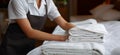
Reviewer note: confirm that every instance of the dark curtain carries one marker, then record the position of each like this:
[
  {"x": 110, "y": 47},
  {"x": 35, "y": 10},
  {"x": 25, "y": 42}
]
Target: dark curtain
[
  {"x": 85, "y": 5},
  {"x": 116, "y": 4},
  {"x": 4, "y": 3}
]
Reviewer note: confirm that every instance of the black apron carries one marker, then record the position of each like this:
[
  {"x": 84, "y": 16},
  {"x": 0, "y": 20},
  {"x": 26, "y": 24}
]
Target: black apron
[{"x": 15, "y": 42}]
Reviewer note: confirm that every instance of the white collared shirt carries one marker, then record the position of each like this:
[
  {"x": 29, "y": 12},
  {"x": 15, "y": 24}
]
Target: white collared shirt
[{"x": 18, "y": 9}]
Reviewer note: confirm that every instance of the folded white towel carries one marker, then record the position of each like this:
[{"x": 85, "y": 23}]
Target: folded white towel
[
  {"x": 65, "y": 48},
  {"x": 88, "y": 21},
  {"x": 72, "y": 39},
  {"x": 87, "y": 32},
  {"x": 91, "y": 28}
]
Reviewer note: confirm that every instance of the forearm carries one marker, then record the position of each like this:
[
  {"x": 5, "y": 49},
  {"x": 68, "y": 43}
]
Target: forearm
[
  {"x": 63, "y": 23},
  {"x": 39, "y": 35}
]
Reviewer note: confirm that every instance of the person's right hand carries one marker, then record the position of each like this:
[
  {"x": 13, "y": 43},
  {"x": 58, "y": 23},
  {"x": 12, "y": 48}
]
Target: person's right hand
[{"x": 60, "y": 37}]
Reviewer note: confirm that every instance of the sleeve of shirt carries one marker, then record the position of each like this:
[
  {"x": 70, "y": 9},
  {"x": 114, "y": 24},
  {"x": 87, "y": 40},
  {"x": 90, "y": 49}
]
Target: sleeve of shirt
[
  {"x": 53, "y": 11},
  {"x": 16, "y": 10}
]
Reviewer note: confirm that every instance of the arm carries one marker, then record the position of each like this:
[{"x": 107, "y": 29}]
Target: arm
[
  {"x": 63, "y": 23},
  {"x": 18, "y": 13},
  {"x": 54, "y": 14},
  {"x": 36, "y": 34}
]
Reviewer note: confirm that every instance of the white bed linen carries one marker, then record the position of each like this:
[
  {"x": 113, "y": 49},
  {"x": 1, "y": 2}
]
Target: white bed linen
[{"x": 111, "y": 40}]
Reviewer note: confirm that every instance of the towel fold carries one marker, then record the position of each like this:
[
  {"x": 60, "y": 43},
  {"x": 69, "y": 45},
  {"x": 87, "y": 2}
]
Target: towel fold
[
  {"x": 88, "y": 28},
  {"x": 72, "y": 39},
  {"x": 88, "y": 21},
  {"x": 65, "y": 48},
  {"x": 87, "y": 32}
]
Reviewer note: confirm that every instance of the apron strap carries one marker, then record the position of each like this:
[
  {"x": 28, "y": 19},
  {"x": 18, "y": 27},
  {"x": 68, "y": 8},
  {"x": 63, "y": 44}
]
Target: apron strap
[{"x": 46, "y": 8}]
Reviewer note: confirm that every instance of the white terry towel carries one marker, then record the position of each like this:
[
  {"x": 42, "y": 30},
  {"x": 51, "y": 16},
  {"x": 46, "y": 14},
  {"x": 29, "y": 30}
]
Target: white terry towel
[
  {"x": 92, "y": 28},
  {"x": 63, "y": 48},
  {"x": 73, "y": 40},
  {"x": 88, "y": 21},
  {"x": 87, "y": 31}
]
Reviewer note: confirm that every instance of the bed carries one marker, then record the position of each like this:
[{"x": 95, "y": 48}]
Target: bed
[{"x": 111, "y": 41}]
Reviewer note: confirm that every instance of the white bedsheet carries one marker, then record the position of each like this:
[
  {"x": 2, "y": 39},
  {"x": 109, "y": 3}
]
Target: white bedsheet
[{"x": 111, "y": 40}]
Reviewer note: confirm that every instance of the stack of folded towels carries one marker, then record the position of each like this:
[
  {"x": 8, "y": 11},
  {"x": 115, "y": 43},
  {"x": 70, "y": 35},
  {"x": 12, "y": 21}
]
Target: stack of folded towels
[
  {"x": 64, "y": 48},
  {"x": 87, "y": 33},
  {"x": 85, "y": 39}
]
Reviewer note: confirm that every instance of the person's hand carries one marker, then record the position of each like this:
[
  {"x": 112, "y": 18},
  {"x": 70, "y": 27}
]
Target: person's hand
[
  {"x": 64, "y": 38},
  {"x": 60, "y": 37}
]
